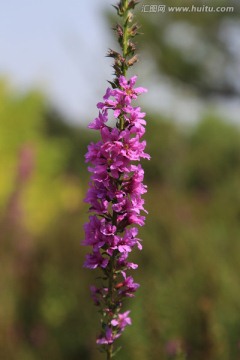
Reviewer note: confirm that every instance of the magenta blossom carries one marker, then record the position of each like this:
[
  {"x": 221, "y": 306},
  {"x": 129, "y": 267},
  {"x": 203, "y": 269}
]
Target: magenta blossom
[
  {"x": 127, "y": 89},
  {"x": 95, "y": 260},
  {"x": 108, "y": 338},
  {"x": 116, "y": 189},
  {"x": 122, "y": 321},
  {"x": 116, "y": 203}
]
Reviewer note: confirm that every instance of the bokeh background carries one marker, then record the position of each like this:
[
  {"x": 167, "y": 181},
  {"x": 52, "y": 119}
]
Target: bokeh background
[{"x": 53, "y": 72}]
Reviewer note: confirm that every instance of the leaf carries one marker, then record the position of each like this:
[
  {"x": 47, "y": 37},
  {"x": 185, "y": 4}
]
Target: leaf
[{"x": 116, "y": 351}]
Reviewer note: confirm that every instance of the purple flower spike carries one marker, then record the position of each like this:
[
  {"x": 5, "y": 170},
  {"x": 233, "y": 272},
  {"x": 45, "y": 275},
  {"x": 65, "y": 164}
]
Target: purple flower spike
[
  {"x": 115, "y": 198},
  {"x": 116, "y": 189}
]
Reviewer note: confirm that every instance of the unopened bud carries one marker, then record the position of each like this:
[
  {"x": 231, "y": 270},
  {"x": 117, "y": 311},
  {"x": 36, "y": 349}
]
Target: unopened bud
[
  {"x": 119, "y": 285},
  {"x": 114, "y": 54},
  {"x": 130, "y": 16},
  {"x": 132, "y": 4},
  {"x": 132, "y": 61},
  {"x": 133, "y": 30},
  {"x": 131, "y": 47},
  {"x": 119, "y": 30}
]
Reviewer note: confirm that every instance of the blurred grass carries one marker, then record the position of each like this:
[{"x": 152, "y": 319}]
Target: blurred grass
[{"x": 189, "y": 268}]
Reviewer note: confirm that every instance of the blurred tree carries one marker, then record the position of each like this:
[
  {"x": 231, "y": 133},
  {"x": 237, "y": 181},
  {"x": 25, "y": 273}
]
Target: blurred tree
[{"x": 196, "y": 49}]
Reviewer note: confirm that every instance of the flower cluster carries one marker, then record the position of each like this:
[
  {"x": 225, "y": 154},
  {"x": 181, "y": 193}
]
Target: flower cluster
[{"x": 115, "y": 198}]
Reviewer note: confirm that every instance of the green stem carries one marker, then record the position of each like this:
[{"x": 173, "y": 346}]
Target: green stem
[
  {"x": 124, "y": 49},
  {"x": 125, "y": 36},
  {"x": 111, "y": 286},
  {"x": 121, "y": 118},
  {"x": 110, "y": 283},
  {"x": 110, "y": 352},
  {"x": 110, "y": 301},
  {"x": 110, "y": 347}
]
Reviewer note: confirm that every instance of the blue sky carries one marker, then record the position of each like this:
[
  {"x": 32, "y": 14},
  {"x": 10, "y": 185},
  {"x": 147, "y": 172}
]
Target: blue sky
[{"x": 59, "y": 47}]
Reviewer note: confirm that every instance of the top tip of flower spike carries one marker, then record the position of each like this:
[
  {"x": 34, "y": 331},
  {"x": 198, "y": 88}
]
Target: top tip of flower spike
[
  {"x": 125, "y": 5},
  {"x": 132, "y": 4}
]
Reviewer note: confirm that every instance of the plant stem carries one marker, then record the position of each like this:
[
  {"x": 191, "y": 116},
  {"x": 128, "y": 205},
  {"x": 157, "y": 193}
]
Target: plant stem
[
  {"x": 111, "y": 286},
  {"x": 124, "y": 68},
  {"x": 109, "y": 352},
  {"x": 125, "y": 36},
  {"x": 110, "y": 283}
]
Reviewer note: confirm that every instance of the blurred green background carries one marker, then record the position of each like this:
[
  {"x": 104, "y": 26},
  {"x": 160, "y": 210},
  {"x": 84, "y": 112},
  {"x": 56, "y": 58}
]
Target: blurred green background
[{"x": 188, "y": 305}]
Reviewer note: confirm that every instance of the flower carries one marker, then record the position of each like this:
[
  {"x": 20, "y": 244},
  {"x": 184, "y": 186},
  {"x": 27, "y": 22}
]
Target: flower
[
  {"x": 95, "y": 260},
  {"x": 123, "y": 264},
  {"x": 116, "y": 204},
  {"x": 116, "y": 187},
  {"x": 99, "y": 122},
  {"x": 128, "y": 286},
  {"x": 108, "y": 338},
  {"x": 127, "y": 88},
  {"x": 122, "y": 321}
]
